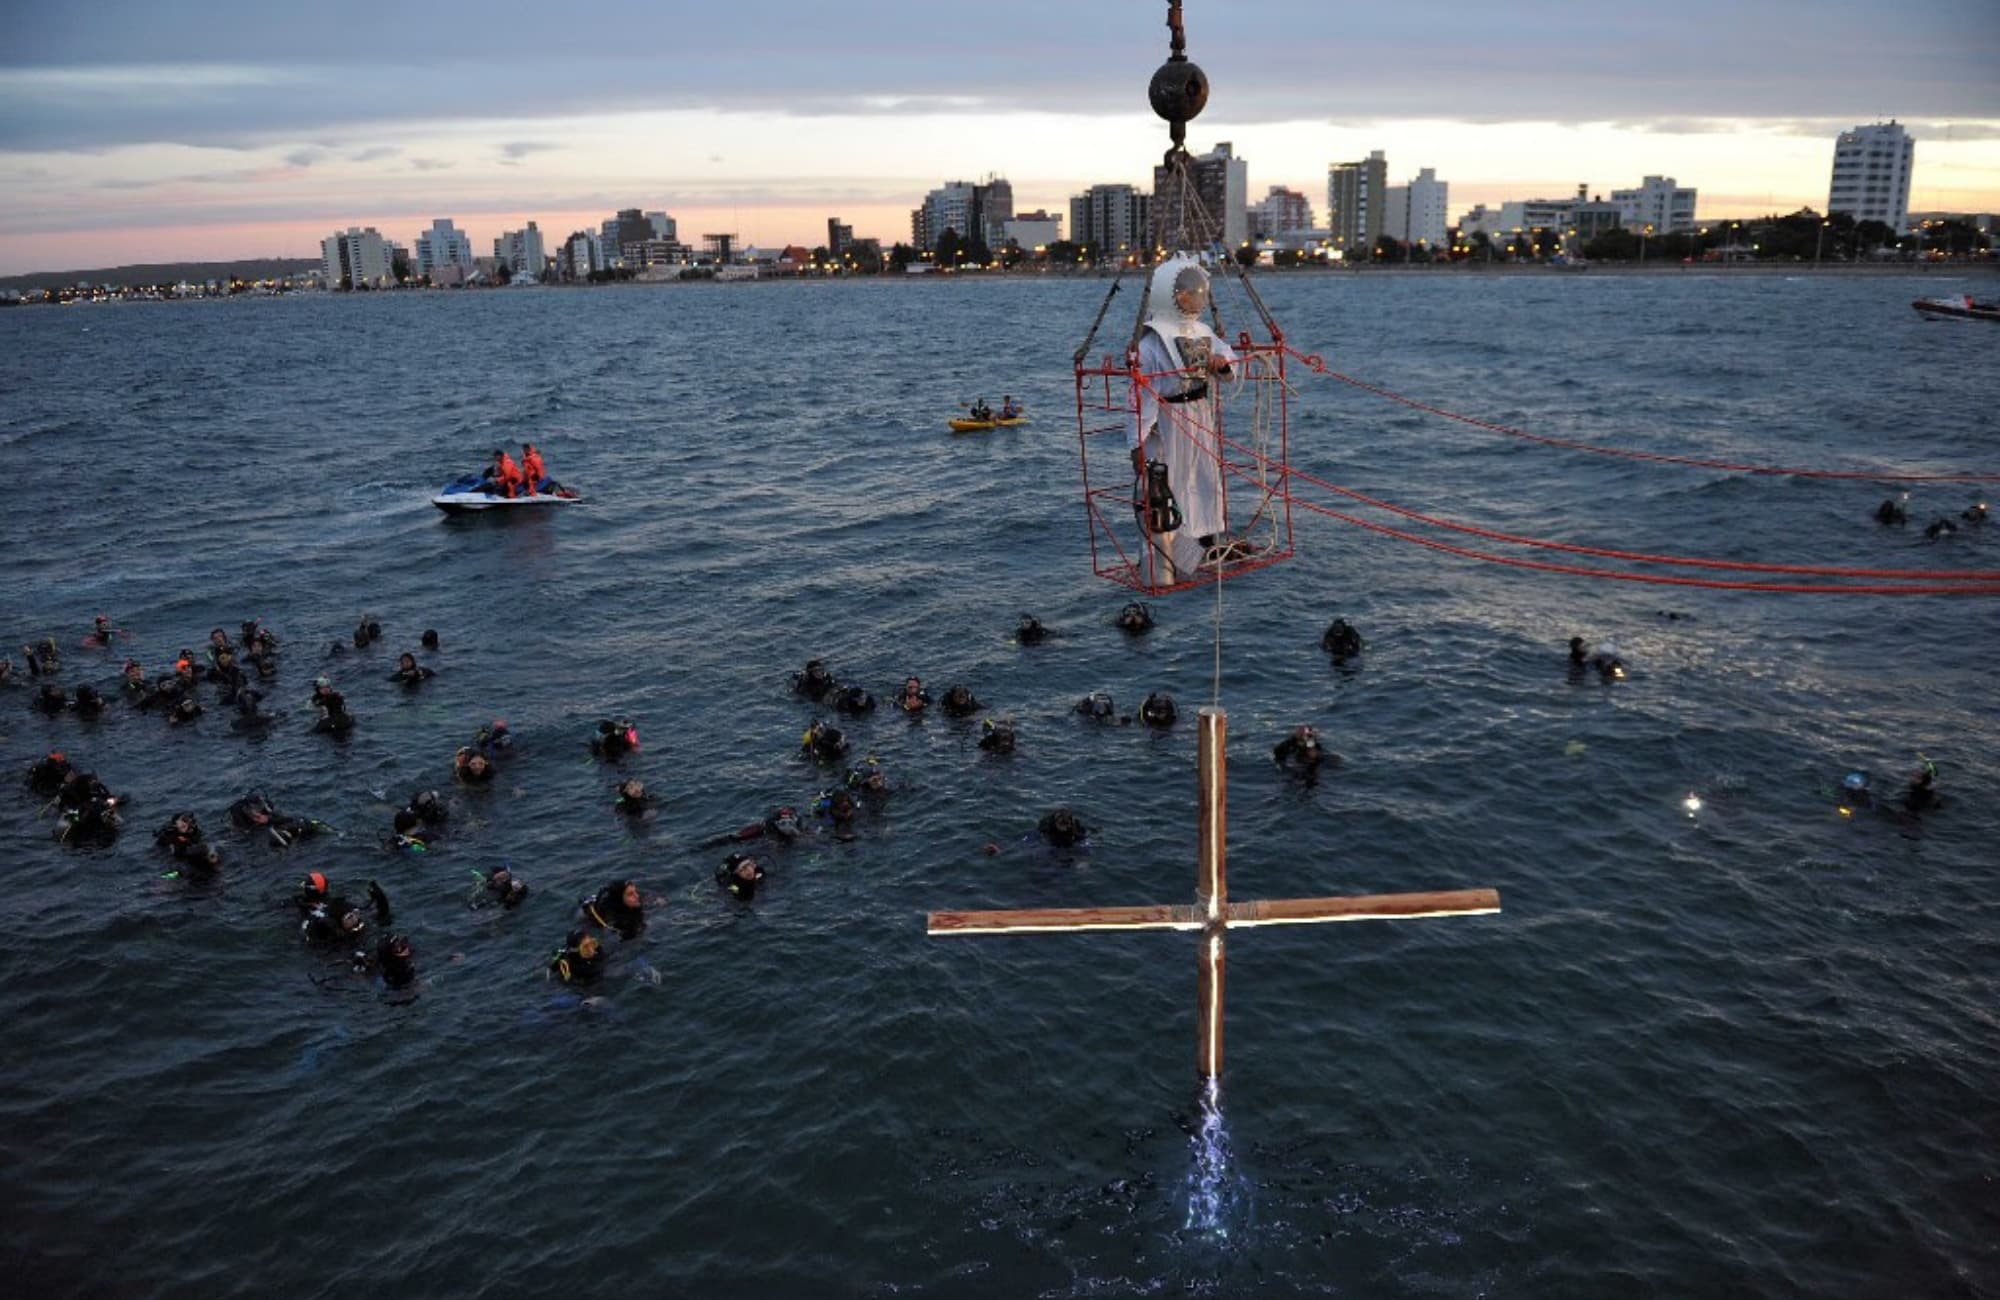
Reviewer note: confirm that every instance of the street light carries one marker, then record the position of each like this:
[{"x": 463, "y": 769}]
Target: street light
[{"x": 1819, "y": 243}]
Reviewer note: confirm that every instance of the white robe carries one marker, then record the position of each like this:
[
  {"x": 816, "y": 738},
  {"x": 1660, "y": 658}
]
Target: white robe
[{"x": 1186, "y": 435}]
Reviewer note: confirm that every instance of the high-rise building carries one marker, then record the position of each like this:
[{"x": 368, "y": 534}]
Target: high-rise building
[
  {"x": 356, "y": 259},
  {"x": 579, "y": 256},
  {"x": 973, "y": 212},
  {"x": 838, "y": 236},
  {"x": 1280, "y": 212},
  {"x": 1214, "y": 206},
  {"x": 1415, "y": 213},
  {"x": 1658, "y": 203},
  {"x": 1354, "y": 201},
  {"x": 1031, "y": 230},
  {"x": 664, "y": 227},
  {"x": 522, "y": 251},
  {"x": 1871, "y": 174},
  {"x": 444, "y": 244},
  {"x": 1112, "y": 219}
]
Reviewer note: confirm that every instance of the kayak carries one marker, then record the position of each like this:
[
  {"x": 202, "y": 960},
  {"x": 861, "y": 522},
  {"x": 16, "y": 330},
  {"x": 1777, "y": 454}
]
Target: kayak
[
  {"x": 464, "y": 494},
  {"x": 976, "y": 426}
]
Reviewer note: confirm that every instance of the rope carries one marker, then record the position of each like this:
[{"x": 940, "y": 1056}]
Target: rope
[
  {"x": 1318, "y": 364},
  {"x": 1083, "y": 349},
  {"x": 1662, "y": 579}
]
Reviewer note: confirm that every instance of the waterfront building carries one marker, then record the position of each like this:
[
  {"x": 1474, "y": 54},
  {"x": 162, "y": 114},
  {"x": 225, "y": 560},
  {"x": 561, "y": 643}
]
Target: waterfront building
[
  {"x": 1031, "y": 230},
  {"x": 1871, "y": 175},
  {"x": 1280, "y": 212},
  {"x": 838, "y": 236},
  {"x": 1657, "y": 203},
  {"x": 579, "y": 256},
  {"x": 970, "y": 211},
  {"x": 664, "y": 227},
  {"x": 356, "y": 258},
  {"x": 1415, "y": 213},
  {"x": 444, "y": 244},
  {"x": 522, "y": 251},
  {"x": 1354, "y": 202},
  {"x": 1479, "y": 220},
  {"x": 1217, "y": 208},
  {"x": 1110, "y": 218}
]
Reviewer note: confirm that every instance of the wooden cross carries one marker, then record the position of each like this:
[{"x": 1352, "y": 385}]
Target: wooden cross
[{"x": 1212, "y": 913}]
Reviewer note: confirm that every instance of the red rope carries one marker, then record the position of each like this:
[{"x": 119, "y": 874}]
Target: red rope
[
  {"x": 1317, "y": 363},
  {"x": 1661, "y": 579}
]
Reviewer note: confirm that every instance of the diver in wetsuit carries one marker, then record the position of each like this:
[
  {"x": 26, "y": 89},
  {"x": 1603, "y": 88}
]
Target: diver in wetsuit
[
  {"x": 1302, "y": 752},
  {"x": 853, "y": 701},
  {"x": 334, "y": 719},
  {"x": 815, "y": 683},
  {"x": 1098, "y": 707},
  {"x": 494, "y": 739},
  {"x": 95, "y": 821},
  {"x": 48, "y": 773},
  {"x": 823, "y": 743},
  {"x": 180, "y": 835},
  {"x": 615, "y": 738},
  {"x": 255, "y": 811},
  {"x": 1063, "y": 829},
  {"x": 409, "y": 673},
  {"x": 500, "y": 886},
  {"x": 959, "y": 701},
  {"x": 471, "y": 767},
  {"x": 1340, "y": 640},
  {"x": 913, "y": 698},
  {"x": 51, "y": 699},
  {"x": 581, "y": 961},
  {"x": 631, "y": 798},
  {"x": 89, "y": 703},
  {"x": 618, "y": 906},
  {"x": 1135, "y": 618},
  {"x": 1158, "y": 710},
  {"x": 740, "y": 875},
  {"x": 1922, "y": 795},
  {"x": 1891, "y": 512},
  {"x": 781, "y": 824},
  {"x": 337, "y": 921},
  {"x": 393, "y": 960},
  {"x": 1030, "y": 631},
  {"x": 996, "y": 736}
]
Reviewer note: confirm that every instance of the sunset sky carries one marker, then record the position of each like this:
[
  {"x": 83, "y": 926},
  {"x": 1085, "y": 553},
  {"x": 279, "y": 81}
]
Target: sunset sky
[{"x": 163, "y": 130}]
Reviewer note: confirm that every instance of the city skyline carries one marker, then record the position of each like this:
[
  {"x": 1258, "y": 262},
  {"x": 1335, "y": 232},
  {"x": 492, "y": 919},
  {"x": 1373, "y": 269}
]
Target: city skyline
[{"x": 198, "y": 131}]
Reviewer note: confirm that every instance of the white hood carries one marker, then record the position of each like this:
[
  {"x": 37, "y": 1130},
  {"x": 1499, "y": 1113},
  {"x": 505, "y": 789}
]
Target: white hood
[{"x": 1162, "y": 313}]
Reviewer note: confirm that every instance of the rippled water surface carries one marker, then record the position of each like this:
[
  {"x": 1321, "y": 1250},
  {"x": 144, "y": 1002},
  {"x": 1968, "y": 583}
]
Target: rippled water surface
[{"x": 1748, "y": 1050}]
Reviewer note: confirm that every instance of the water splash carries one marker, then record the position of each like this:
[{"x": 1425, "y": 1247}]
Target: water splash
[{"x": 1211, "y": 1181}]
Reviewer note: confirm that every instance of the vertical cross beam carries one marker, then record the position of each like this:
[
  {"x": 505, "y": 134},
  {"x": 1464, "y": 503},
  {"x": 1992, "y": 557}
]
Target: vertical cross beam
[{"x": 1211, "y": 886}]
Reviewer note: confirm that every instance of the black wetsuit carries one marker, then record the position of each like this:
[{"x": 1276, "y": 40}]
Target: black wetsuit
[
  {"x": 48, "y": 774},
  {"x": 1340, "y": 640},
  {"x": 609, "y": 911},
  {"x": 1306, "y": 753},
  {"x": 742, "y": 887},
  {"x": 815, "y": 683},
  {"x": 1158, "y": 711},
  {"x": 572, "y": 967},
  {"x": 1064, "y": 829},
  {"x": 959, "y": 702}
]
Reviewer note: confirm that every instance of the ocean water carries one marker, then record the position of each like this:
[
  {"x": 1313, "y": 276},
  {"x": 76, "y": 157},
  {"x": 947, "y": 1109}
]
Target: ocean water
[{"x": 1744, "y": 1050}]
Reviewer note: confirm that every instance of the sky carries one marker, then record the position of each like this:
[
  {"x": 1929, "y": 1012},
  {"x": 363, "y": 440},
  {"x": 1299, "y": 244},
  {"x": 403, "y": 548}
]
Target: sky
[{"x": 171, "y": 130}]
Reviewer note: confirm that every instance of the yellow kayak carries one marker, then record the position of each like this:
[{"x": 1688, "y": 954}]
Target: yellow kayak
[{"x": 977, "y": 426}]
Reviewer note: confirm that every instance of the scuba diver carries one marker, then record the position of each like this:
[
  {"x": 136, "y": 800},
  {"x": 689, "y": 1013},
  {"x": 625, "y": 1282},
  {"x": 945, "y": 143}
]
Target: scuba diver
[
  {"x": 257, "y": 638},
  {"x": 631, "y": 797},
  {"x": 88, "y": 702},
  {"x": 1063, "y": 829},
  {"x": 47, "y": 774},
  {"x": 367, "y": 632},
  {"x": 1135, "y": 618},
  {"x": 1939, "y": 527},
  {"x": 311, "y": 892},
  {"x": 580, "y": 961},
  {"x": 996, "y": 736},
  {"x": 470, "y": 767},
  {"x": 1302, "y": 752},
  {"x": 180, "y": 836},
  {"x": 43, "y": 660},
  {"x": 336, "y": 921},
  {"x": 428, "y": 807},
  {"x": 429, "y": 640},
  {"x": 815, "y": 683},
  {"x": 78, "y": 789},
  {"x": 823, "y": 743},
  {"x": 133, "y": 684},
  {"x": 615, "y": 738},
  {"x": 185, "y": 711},
  {"x": 959, "y": 701},
  {"x": 869, "y": 782},
  {"x": 837, "y": 808},
  {"x": 1974, "y": 514},
  {"x": 94, "y": 821},
  {"x": 1603, "y": 660},
  {"x": 409, "y": 673},
  {"x": 494, "y": 739},
  {"x": 1097, "y": 706},
  {"x": 199, "y": 863},
  {"x": 392, "y": 961},
  {"x": 1030, "y": 631},
  {"x": 1158, "y": 710},
  {"x": 255, "y": 811},
  {"x": 913, "y": 698},
  {"x": 1340, "y": 640},
  {"x": 102, "y": 634},
  {"x": 781, "y": 824},
  {"x": 408, "y": 834},
  {"x": 1922, "y": 795},
  {"x": 218, "y": 645},
  {"x": 248, "y": 716},
  {"x": 334, "y": 719},
  {"x": 853, "y": 701},
  {"x": 740, "y": 875},
  {"x": 51, "y": 699},
  {"x": 1891, "y": 512},
  {"x": 618, "y": 906},
  {"x": 500, "y": 887}
]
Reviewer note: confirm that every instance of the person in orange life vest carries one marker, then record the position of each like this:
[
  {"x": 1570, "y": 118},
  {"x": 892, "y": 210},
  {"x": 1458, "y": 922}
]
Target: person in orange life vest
[
  {"x": 532, "y": 471},
  {"x": 503, "y": 476}
]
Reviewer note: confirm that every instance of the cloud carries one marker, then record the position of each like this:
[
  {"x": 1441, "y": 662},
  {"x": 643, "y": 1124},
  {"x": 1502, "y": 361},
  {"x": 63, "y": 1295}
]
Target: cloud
[
  {"x": 376, "y": 153},
  {"x": 305, "y": 157},
  {"x": 431, "y": 164},
  {"x": 514, "y": 150}
]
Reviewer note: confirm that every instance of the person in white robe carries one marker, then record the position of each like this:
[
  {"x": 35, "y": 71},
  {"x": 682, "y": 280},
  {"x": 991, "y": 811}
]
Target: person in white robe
[{"x": 1180, "y": 413}]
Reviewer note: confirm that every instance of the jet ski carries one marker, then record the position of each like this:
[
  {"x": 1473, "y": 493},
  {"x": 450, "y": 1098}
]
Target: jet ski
[{"x": 467, "y": 493}]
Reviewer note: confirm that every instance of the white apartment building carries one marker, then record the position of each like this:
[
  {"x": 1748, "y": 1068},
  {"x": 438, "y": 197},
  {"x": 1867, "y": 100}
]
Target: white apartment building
[
  {"x": 1280, "y": 212},
  {"x": 579, "y": 256},
  {"x": 1032, "y": 230},
  {"x": 1415, "y": 213},
  {"x": 444, "y": 244},
  {"x": 1110, "y": 218},
  {"x": 521, "y": 251},
  {"x": 1658, "y": 203},
  {"x": 1871, "y": 174},
  {"x": 356, "y": 258}
]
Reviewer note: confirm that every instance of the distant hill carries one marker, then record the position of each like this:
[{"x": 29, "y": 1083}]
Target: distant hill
[{"x": 164, "y": 273}]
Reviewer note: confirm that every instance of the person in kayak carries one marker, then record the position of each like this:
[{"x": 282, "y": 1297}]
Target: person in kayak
[
  {"x": 1009, "y": 408},
  {"x": 981, "y": 411}
]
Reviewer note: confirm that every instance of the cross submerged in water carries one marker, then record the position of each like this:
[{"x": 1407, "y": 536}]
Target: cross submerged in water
[{"x": 1212, "y": 913}]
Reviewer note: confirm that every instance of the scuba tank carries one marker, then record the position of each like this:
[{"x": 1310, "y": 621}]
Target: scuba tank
[{"x": 1154, "y": 504}]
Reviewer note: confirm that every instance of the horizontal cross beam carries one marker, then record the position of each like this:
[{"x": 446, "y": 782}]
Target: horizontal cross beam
[{"x": 1275, "y": 911}]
